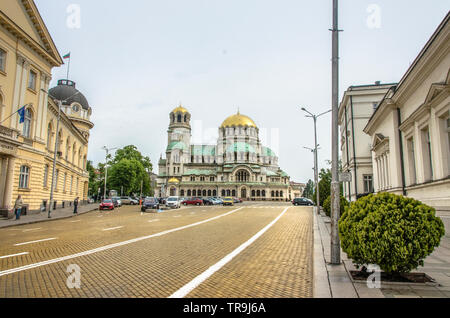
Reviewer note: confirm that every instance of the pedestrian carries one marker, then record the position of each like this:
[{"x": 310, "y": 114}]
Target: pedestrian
[
  {"x": 18, "y": 206},
  {"x": 75, "y": 205}
]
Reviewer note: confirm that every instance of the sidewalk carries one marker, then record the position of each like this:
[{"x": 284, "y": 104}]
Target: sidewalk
[
  {"x": 334, "y": 281},
  {"x": 43, "y": 216}
]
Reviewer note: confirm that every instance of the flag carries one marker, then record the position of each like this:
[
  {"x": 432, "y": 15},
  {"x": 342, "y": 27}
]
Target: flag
[
  {"x": 67, "y": 56},
  {"x": 21, "y": 112}
]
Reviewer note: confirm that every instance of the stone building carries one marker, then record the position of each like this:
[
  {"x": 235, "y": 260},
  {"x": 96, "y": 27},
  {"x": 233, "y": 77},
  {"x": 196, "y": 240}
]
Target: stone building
[
  {"x": 238, "y": 165},
  {"x": 357, "y": 105},
  {"x": 27, "y": 56},
  {"x": 410, "y": 129}
]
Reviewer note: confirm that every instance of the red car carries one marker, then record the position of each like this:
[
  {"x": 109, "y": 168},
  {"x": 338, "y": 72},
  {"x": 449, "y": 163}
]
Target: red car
[
  {"x": 107, "y": 204},
  {"x": 193, "y": 201}
]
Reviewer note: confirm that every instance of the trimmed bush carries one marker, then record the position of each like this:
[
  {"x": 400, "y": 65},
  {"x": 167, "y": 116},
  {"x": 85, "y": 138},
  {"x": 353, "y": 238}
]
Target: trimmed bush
[
  {"x": 392, "y": 231},
  {"x": 327, "y": 205}
]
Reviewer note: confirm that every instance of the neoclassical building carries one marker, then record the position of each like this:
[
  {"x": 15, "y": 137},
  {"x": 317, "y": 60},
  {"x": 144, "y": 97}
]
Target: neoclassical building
[
  {"x": 238, "y": 165},
  {"x": 27, "y": 56}
]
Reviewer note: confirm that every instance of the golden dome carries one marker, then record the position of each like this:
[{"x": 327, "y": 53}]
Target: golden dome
[
  {"x": 238, "y": 120},
  {"x": 180, "y": 109},
  {"x": 174, "y": 180}
]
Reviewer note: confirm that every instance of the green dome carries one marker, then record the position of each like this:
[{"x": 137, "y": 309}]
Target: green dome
[{"x": 241, "y": 147}]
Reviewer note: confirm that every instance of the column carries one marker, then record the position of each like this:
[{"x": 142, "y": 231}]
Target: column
[{"x": 7, "y": 196}]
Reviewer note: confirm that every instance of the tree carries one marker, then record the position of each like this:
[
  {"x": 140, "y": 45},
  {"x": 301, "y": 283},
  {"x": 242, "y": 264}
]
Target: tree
[
  {"x": 324, "y": 186},
  {"x": 308, "y": 192},
  {"x": 129, "y": 169}
]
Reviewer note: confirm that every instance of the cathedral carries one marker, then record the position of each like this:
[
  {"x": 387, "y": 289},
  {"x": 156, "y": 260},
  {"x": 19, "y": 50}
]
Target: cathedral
[{"x": 238, "y": 165}]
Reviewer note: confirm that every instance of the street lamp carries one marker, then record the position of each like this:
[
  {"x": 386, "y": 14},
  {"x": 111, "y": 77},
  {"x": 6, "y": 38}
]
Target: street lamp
[
  {"x": 316, "y": 174},
  {"x": 313, "y": 150},
  {"x": 60, "y": 102},
  {"x": 106, "y": 167}
]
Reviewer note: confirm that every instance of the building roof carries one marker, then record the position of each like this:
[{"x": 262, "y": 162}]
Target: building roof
[
  {"x": 203, "y": 150},
  {"x": 266, "y": 151},
  {"x": 66, "y": 92},
  {"x": 200, "y": 172},
  {"x": 240, "y": 147},
  {"x": 180, "y": 109},
  {"x": 238, "y": 120},
  {"x": 177, "y": 145}
]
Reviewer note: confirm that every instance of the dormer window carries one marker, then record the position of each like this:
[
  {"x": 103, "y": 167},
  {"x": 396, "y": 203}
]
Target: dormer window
[{"x": 75, "y": 108}]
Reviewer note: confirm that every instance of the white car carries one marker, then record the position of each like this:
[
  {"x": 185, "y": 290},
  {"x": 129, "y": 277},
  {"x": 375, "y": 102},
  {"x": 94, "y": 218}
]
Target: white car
[{"x": 173, "y": 202}]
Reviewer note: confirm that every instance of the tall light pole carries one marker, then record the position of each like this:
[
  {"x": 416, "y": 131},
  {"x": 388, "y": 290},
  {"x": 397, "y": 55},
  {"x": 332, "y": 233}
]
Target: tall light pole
[
  {"x": 335, "y": 195},
  {"x": 316, "y": 173},
  {"x": 313, "y": 150},
  {"x": 106, "y": 167},
  {"x": 60, "y": 102}
]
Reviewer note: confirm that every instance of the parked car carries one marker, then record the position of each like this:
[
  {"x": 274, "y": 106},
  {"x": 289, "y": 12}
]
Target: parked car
[
  {"x": 207, "y": 201},
  {"x": 173, "y": 202},
  {"x": 237, "y": 200},
  {"x": 128, "y": 200},
  {"x": 150, "y": 203},
  {"x": 193, "y": 201},
  {"x": 218, "y": 200},
  {"x": 215, "y": 201},
  {"x": 162, "y": 200},
  {"x": 228, "y": 201},
  {"x": 107, "y": 204},
  {"x": 302, "y": 201},
  {"x": 117, "y": 202},
  {"x": 90, "y": 200}
]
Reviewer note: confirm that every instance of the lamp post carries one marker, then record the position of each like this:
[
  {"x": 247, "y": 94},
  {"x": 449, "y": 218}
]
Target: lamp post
[
  {"x": 60, "y": 102},
  {"x": 106, "y": 167},
  {"x": 316, "y": 174}
]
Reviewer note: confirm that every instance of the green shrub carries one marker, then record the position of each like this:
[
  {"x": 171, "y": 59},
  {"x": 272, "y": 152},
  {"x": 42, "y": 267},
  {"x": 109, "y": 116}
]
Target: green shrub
[
  {"x": 389, "y": 230},
  {"x": 327, "y": 205}
]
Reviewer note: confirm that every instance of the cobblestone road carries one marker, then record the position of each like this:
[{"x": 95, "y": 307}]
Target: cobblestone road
[{"x": 129, "y": 254}]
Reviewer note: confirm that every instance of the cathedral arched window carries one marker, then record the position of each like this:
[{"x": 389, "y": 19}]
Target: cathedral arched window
[
  {"x": 258, "y": 193},
  {"x": 242, "y": 176},
  {"x": 253, "y": 193},
  {"x": 179, "y": 118},
  {"x": 188, "y": 193},
  {"x": 263, "y": 193},
  {"x": 223, "y": 193},
  {"x": 233, "y": 193}
]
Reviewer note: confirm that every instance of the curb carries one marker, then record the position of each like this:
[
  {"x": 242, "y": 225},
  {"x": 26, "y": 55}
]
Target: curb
[{"x": 48, "y": 219}]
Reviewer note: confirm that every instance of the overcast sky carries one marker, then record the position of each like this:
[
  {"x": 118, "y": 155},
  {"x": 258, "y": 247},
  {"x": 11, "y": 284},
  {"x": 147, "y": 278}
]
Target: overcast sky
[{"x": 135, "y": 61}]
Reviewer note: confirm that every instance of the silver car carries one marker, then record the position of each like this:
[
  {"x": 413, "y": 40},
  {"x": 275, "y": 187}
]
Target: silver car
[{"x": 173, "y": 202}]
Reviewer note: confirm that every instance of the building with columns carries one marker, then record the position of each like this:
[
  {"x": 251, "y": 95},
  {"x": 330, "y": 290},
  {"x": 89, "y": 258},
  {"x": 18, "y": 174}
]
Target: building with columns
[
  {"x": 410, "y": 129},
  {"x": 27, "y": 56},
  {"x": 238, "y": 165},
  {"x": 357, "y": 105}
]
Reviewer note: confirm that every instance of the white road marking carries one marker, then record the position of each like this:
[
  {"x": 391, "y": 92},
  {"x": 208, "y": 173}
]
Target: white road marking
[
  {"x": 18, "y": 254},
  {"x": 186, "y": 289},
  {"x": 110, "y": 246},
  {"x": 176, "y": 216},
  {"x": 75, "y": 221},
  {"x": 37, "y": 228},
  {"x": 113, "y": 228},
  {"x": 153, "y": 221},
  {"x": 43, "y": 240}
]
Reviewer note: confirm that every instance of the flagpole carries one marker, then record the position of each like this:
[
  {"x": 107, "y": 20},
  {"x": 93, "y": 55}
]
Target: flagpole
[{"x": 68, "y": 68}]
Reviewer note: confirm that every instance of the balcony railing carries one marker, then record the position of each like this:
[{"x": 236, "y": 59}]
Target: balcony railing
[{"x": 8, "y": 132}]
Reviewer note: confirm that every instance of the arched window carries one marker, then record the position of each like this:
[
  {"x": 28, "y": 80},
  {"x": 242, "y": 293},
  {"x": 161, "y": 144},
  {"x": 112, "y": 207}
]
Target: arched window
[
  {"x": 185, "y": 118},
  {"x": 24, "y": 177},
  {"x": 233, "y": 193},
  {"x": 188, "y": 193},
  {"x": 179, "y": 118},
  {"x": 214, "y": 193},
  {"x": 258, "y": 193},
  {"x": 242, "y": 176},
  {"x": 204, "y": 193},
  {"x": 27, "y": 123},
  {"x": 45, "y": 176},
  {"x": 223, "y": 193},
  {"x": 228, "y": 193},
  {"x": 194, "y": 193},
  {"x": 49, "y": 136},
  {"x": 253, "y": 193},
  {"x": 74, "y": 152},
  {"x": 276, "y": 193},
  {"x": 182, "y": 192},
  {"x": 263, "y": 193},
  {"x": 272, "y": 193},
  {"x": 209, "y": 193},
  {"x": 281, "y": 193}
]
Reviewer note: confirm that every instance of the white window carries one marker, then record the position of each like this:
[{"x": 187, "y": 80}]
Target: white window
[
  {"x": 64, "y": 182},
  {"x": 427, "y": 156},
  {"x": 32, "y": 80},
  {"x": 45, "y": 176},
  {"x": 71, "y": 184},
  {"x": 24, "y": 177},
  {"x": 27, "y": 123},
  {"x": 368, "y": 183},
  {"x": 412, "y": 161},
  {"x": 2, "y": 60}
]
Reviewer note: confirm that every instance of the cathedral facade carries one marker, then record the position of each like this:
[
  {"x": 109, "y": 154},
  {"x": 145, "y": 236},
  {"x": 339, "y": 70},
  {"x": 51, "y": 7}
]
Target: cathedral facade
[{"x": 238, "y": 165}]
